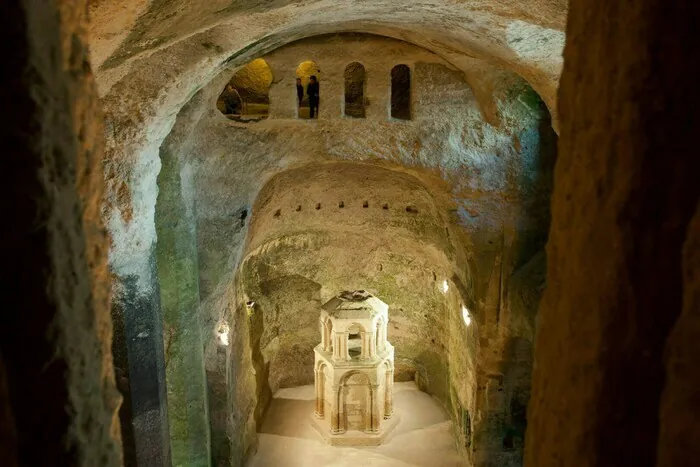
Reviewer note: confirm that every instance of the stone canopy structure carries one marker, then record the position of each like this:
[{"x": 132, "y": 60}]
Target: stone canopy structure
[{"x": 354, "y": 371}]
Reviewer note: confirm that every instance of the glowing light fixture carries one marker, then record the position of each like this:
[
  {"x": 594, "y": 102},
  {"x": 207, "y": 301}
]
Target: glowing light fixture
[
  {"x": 445, "y": 286},
  {"x": 223, "y": 334},
  {"x": 466, "y": 316}
]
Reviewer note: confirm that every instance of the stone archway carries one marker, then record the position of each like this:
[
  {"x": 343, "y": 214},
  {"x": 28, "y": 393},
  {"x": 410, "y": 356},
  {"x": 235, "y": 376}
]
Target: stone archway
[{"x": 355, "y": 402}]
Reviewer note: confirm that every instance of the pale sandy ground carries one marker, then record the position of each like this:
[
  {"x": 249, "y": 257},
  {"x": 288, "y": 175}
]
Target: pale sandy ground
[{"x": 423, "y": 437}]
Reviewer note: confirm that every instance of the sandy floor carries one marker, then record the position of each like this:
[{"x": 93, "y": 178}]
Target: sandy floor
[{"x": 423, "y": 437}]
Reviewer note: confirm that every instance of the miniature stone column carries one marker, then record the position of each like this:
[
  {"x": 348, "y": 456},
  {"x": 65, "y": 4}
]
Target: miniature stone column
[
  {"x": 389, "y": 395},
  {"x": 320, "y": 383},
  {"x": 337, "y": 347},
  {"x": 346, "y": 350},
  {"x": 328, "y": 333},
  {"x": 337, "y": 412},
  {"x": 374, "y": 409},
  {"x": 364, "y": 355},
  {"x": 324, "y": 337},
  {"x": 372, "y": 344},
  {"x": 385, "y": 337},
  {"x": 368, "y": 409}
]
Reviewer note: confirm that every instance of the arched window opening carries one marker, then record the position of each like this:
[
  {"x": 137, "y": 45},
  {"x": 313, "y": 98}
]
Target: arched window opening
[
  {"x": 355, "y": 90},
  {"x": 308, "y": 89},
  {"x": 354, "y": 341},
  {"x": 401, "y": 92},
  {"x": 246, "y": 97}
]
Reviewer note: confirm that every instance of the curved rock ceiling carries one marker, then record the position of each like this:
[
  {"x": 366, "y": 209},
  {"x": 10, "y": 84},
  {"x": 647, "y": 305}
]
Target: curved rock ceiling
[{"x": 160, "y": 66}]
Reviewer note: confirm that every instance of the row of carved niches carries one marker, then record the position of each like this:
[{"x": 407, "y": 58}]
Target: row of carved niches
[
  {"x": 246, "y": 97},
  {"x": 411, "y": 209}
]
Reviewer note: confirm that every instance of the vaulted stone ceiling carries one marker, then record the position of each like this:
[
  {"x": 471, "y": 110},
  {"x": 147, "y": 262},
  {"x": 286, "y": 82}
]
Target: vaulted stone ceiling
[{"x": 151, "y": 58}]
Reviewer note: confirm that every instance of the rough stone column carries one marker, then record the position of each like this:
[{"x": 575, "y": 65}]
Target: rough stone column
[
  {"x": 389, "y": 396},
  {"x": 57, "y": 397},
  {"x": 332, "y": 88},
  {"x": 179, "y": 291},
  {"x": 283, "y": 100},
  {"x": 136, "y": 304},
  {"x": 378, "y": 93},
  {"x": 625, "y": 189}
]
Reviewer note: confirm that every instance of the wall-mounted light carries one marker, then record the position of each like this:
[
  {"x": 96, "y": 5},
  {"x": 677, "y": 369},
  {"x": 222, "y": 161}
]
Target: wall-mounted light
[
  {"x": 445, "y": 286},
  {"x": 466, "y": 316},
  {"x": 223, "y": 334},
  {"x": 250, "y": 303}
]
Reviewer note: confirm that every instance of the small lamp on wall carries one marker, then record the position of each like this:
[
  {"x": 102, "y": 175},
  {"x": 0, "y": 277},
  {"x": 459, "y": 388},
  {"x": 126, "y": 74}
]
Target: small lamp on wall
[
  {"x": 445, "y": 286},
  {"x": 223, "y": 334},
  {"x": 466, "y": 316}
]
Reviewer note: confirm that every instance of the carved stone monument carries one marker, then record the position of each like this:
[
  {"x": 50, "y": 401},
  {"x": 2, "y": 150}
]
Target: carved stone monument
[{"x": 354, "y": 371}]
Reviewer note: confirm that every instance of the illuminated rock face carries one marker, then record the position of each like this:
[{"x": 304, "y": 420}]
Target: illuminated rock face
[{"x": 354, "y": 371}]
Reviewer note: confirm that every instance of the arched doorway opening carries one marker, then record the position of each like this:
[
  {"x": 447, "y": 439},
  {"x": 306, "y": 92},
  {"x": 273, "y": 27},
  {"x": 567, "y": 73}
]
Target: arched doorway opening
[
  {"x": 355, "y": 402},
  {"x": 401, "y": 92},
  {"x": 308, "y": 80},
  {"x": 246, "y": 96}
]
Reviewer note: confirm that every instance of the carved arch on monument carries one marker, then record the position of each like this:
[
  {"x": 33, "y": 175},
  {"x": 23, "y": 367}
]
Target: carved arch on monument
[
  {"x": 355, "y": 400},
  {"x": 356, "y": 345}
]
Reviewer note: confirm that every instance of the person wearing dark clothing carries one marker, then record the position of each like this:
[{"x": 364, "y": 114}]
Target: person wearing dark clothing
[
  {"x": 300, "y": 92},
  {"x": 313, "y": 92},
  {"x": 231, "y": 100}
]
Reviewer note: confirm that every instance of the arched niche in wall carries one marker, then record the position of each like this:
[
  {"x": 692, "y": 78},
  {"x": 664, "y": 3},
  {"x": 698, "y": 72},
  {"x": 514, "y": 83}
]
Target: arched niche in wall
[
  {"x": 308, "y": 72},
  {"x": 401, "y": 92},
  {"x": 355, "y": 344},
  {"x": 246, "y": 96},
  {"x": 355, "y": 90}
]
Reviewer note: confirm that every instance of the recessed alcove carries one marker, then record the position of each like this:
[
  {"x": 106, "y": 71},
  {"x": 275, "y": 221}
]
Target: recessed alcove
[{"x": 245, "y": 97}]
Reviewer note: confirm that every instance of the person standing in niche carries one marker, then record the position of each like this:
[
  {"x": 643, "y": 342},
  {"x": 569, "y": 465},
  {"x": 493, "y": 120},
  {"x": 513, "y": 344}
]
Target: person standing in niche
[
  {"x": 300, "y": 92},
  {"x": 312, "y": 90},
  {"x": 231, "y": 100}
]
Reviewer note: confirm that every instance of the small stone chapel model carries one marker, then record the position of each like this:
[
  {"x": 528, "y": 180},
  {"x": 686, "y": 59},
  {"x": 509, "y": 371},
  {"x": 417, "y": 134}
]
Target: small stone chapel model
[{"x": 354, "y": 371}]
